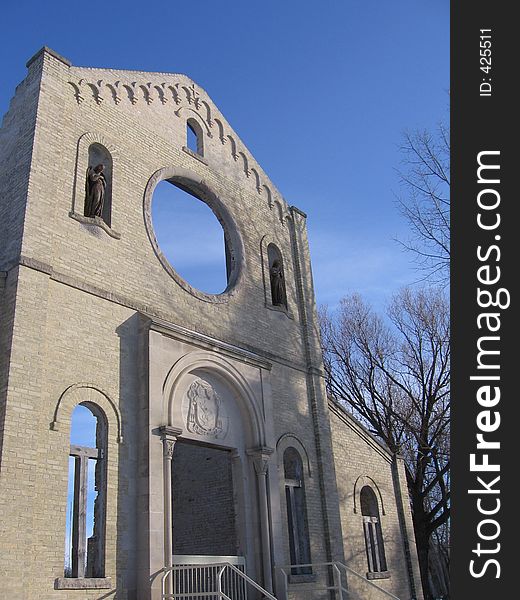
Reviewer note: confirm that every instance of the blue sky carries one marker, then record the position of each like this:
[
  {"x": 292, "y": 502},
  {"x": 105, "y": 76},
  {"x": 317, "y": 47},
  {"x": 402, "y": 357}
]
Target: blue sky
[
  {"x": 319, "y": 92},
  {"x": 82, "y": 433},
  {"x": 191, "y": 237}
]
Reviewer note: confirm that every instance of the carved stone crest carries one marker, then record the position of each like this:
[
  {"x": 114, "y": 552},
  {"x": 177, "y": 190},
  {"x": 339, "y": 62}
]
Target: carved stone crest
[{"x": 205, "y": 411}]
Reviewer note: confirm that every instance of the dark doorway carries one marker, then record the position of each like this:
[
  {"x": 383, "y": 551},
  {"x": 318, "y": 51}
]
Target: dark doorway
[{"x": 204, "y": 520}]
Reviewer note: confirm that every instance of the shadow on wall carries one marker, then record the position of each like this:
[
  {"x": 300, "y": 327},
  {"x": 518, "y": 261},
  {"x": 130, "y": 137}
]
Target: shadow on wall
[{"x": 127, "y": 497}]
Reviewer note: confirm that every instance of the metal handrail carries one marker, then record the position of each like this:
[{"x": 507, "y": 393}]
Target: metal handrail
[
  {"x": 248, "y": 580},
  {"x": 371, "y": 583},
  {"x": 338, "y": 585},
  {"x": 222, "y": 566}
]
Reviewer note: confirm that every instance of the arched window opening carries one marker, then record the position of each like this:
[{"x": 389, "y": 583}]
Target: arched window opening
[
  {"x": 372, "y": 531},
  {"x": 191, "y": 237},
  {"x": 86, "y": 498},
  {"x": 98, "y": 184},
  {"x": 276, "y": 277},
  {"x": 194, "y": 137},
  {"x": 299, "y": 544}
]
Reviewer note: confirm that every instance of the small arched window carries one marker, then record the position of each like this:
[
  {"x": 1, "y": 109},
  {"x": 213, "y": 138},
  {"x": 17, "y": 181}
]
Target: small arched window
[
  {"x": 299, "y": 544},
  {"x": 98, "y": 184},
  {"x": 86, "y": 500},
  {"x": 372, "y": 531},
  {"x": 194, "y": 137},
  {"x": 276, "y": 277}
]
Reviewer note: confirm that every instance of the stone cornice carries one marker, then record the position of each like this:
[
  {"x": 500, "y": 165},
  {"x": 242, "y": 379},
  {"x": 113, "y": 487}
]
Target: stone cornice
[
  {"x": 208, "y": 343},
  {"x": 263, "y": 360}
]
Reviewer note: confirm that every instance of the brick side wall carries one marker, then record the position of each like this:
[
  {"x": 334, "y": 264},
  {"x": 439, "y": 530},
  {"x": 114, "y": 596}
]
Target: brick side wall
[{"x": 360, "y": 460}]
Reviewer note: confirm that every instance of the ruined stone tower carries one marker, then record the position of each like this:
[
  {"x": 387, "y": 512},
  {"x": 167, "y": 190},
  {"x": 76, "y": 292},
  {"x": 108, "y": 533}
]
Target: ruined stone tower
[{"x": 214, "y": 436}]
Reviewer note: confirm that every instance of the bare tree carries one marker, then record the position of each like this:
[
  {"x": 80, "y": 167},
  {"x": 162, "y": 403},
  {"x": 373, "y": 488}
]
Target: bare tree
[
  {"x": 425, "y": 201},
  {"x": 394, "y": 376}
]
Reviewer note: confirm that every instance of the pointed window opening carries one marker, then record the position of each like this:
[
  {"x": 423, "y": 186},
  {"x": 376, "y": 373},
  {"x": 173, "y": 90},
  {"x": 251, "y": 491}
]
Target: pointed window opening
[
  {"x": 299, "y": 544},
  {"x": 86, "y": 501},
  {"x": 372, "y": 531},
  {"x": 194, "y": 137}
]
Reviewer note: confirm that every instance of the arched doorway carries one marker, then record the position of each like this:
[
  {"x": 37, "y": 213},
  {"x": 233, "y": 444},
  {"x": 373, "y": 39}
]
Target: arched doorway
[{"x": 218, "y": 467}]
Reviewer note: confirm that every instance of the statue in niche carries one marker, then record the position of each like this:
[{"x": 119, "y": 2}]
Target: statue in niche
[
  {"x": 277, "y": 284},
  {"x": 95, "y": 187}
]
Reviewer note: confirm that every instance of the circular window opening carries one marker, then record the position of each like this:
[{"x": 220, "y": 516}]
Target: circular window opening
[{"x": 191, "y": 237}]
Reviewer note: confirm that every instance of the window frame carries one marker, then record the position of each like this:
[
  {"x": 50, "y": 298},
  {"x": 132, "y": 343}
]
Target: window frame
[
  {"x": 373, "y": 534},
  {"x": 83, "y": 569},
  {"x": 297, "y": 521},
  {"x": 190, "y": 182},
  {"x": 194, "y": 126}
]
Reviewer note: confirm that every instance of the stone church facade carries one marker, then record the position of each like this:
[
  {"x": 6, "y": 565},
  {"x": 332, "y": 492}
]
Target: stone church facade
[{"x": 215, "y": 440}]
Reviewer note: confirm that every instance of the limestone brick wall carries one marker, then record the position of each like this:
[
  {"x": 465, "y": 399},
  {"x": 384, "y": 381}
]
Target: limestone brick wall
[
  {"x": 73, "y": 295},
  {"x": 143, "y": 138},
  {"x": 67, "y": 347},
  {"x": 16, "y": 147},
  {"x": 294, "y": 426},
  {"x": 360, "y": 460},
  {"x": 7, "y": 303}
]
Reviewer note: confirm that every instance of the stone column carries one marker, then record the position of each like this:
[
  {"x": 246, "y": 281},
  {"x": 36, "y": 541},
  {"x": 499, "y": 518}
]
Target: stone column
[
  {"x": 169, "y": 436},
  {"x": 260, "y": 458}
]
